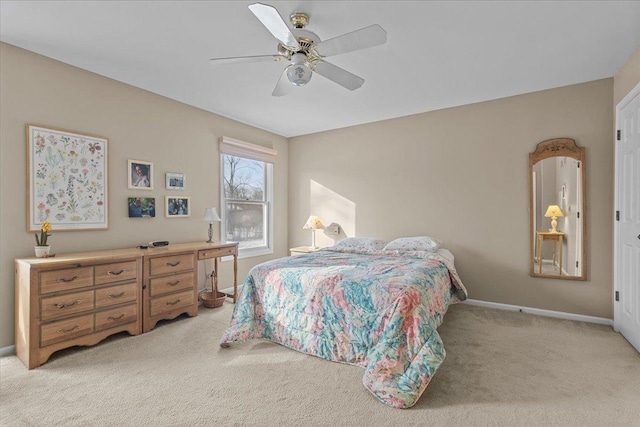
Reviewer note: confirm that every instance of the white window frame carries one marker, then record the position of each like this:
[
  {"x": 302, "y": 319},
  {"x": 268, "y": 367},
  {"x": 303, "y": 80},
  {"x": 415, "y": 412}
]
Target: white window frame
[{"x": 233, "y": 147}]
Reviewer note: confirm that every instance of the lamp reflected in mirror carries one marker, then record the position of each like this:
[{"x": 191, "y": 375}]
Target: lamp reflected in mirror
[{"x": 553, "y": 212}]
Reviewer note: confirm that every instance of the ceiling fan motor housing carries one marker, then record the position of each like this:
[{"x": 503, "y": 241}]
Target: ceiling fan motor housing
[{"x": 307, "y": 40}]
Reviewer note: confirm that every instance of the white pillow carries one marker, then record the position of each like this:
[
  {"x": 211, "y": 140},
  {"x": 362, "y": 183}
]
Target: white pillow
[
  {"x": 419, "y": 243},
  {"x": 361, "y": 243}
]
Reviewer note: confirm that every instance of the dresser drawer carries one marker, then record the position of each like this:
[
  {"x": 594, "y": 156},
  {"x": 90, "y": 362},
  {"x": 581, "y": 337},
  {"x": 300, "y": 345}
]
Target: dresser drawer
[
  {"x": 64, "y": 280},
  {"x": 116, "y": 294},
  {"x": 171, "y": 302},
  {"x": 215, "y": 253},
  {"x": 166, "y": 284},
  {"x": 171, "y": 264},
  {"x": 117, "y": 272},
  {"x": 64, "y": 330},
  {"x": 55, "y": 307},
  {"x": 116, "y": 317}
]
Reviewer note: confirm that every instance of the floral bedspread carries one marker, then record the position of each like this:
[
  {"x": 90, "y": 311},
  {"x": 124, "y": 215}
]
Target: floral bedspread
[{"x": 378, "y": 310}]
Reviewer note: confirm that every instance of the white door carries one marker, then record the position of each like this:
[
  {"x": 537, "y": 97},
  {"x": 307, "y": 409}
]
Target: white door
[{"x": 627, "y": 230}]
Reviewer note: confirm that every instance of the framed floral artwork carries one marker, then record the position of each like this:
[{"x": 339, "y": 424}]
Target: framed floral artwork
[
  {"x": 67, "y": 179},
  {"x": 140, "y": 175}
]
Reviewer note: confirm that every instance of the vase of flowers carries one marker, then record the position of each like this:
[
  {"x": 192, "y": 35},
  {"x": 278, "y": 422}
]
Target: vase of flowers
[{"x": 42, "y": 247}]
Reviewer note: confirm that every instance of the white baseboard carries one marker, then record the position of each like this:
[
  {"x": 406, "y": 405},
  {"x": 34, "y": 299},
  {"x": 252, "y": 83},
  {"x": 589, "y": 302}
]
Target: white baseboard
[
  {"x": 9, "y": 350},
  {"x": 529, "y": 310},
  {"x": 541, "y": 312}
]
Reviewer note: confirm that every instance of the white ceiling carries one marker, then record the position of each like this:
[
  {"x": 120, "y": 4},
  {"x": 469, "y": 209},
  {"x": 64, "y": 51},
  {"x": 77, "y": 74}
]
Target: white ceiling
[{"x": 438, "y": 54}]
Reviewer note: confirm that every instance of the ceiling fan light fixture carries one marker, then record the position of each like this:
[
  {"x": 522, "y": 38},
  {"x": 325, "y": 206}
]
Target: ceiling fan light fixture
[{"x": 299, "y": 73}]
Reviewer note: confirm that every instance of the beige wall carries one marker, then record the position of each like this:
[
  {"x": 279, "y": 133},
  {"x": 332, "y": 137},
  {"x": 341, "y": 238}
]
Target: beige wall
[
  {"x": 445, "y": 173},
  {"x": 140, "y": 125},
  {"x": 627, "y": 77},
  {"x": 460, "y": 175}
]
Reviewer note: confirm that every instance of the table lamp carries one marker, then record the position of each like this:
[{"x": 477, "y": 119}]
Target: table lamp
[
  {"x": 313, "y": 224},
  {"x": 553, "y": 212},
  {"x": 211, "y": 215}
]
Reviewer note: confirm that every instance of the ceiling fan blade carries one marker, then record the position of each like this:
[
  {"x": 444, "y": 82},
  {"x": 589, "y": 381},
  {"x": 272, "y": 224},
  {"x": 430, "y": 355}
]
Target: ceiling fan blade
[
  {"x": 363, "y": 38},
  {"x": 271, "y": 19},
  {"x": 245, "y": 59},
  {"x": 338, "y": 75},
  {"x": 283, "y": 86}
]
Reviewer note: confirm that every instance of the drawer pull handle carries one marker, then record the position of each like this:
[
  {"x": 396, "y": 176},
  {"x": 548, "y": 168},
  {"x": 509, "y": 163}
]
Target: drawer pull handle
[
  {"x": 65, "y": 305},
  {"x": 173, "y": 264},
  {"x": 66, "y": 331},
  {"x": 173, "y": 283},
  {"x": 115, "y": 318},
  {"x": 173, "y": 303},
  {"x": 62, "y": 279},
  {"x": 116, "y": 273},
  {"x": 121, "y": 294}
]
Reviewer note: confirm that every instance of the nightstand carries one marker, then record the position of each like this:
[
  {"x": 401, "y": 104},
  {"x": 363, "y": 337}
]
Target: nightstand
[{"x": 302, "y": 250}]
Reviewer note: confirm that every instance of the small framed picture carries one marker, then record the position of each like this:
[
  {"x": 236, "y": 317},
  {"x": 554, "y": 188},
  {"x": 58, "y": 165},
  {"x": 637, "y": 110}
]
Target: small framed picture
[
  {"x": 175, "y": 181},
  {"x": 177, "y": 207},
  {"x": 140, "y": 175},
  {"x": 141, "y": 207}
]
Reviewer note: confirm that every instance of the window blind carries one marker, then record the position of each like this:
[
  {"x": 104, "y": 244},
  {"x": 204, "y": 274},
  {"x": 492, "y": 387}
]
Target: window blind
[{"x": 234, "y": 147}]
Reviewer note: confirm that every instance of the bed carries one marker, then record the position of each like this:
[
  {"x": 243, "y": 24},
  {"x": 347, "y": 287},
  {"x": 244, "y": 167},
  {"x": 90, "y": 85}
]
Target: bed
[{"x": 366, "y": 306}]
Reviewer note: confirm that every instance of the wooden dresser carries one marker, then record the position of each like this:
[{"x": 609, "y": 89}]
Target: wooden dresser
[
  {"x": 75, "y": 299},
  {"x": 170, "y": 285},
  {"x": 82, "y": 298}
]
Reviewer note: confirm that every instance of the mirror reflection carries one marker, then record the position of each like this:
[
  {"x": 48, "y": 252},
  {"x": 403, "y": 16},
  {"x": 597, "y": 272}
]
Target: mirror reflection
[{"x": 557, "y": 217}]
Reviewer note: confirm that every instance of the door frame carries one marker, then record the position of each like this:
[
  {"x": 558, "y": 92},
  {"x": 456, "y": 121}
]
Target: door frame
[
  {"x": 579, "y": 237},
  {"x": 616, "y": 206},
  {"x": 533, "y": 215}
]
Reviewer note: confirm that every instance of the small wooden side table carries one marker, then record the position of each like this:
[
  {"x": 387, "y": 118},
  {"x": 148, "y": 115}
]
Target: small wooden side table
[
  {"x": 216, "y": 251},
  {"x": 556, "y": 238},
  {"x": 302, "y": 250}
]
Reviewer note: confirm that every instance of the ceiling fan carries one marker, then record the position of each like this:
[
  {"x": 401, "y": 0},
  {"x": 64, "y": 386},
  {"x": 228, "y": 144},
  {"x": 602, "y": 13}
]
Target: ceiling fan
[{"x": 306, "y": 51}]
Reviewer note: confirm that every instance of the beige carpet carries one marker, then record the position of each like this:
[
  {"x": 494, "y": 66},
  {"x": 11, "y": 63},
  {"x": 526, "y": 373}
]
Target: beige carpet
[{"x": 502, "y": 368}]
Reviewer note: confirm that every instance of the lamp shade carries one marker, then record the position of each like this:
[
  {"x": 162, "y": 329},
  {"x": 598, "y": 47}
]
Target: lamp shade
[
  {"x": 211, "y": 215},
  {"x": 313, "y": 223},
  {"x": 298, "y": 72},
  {"x": 299, "y": 75},
  {"x": 553, "y": 210}
]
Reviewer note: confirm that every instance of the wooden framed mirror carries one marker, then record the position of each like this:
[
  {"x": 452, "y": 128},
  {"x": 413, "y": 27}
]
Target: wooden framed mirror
[{"x": 557, "y": 210}]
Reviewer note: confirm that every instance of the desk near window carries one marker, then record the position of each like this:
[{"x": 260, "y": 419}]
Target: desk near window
[{"x": 218, "y": 250}]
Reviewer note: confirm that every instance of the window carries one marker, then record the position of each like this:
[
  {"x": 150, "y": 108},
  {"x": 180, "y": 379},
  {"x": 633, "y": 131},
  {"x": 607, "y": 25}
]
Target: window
[{"x": 247, "y": 196}]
